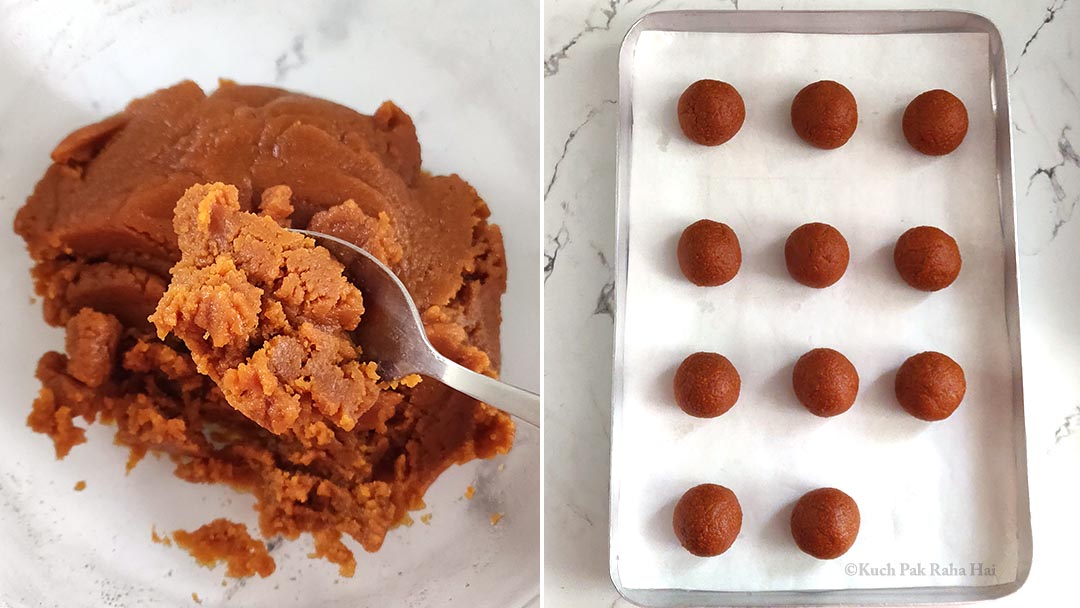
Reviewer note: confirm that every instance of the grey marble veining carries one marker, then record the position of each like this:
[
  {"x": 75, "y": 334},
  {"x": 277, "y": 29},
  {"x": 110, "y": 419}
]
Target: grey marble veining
[
  {"x": 581, "y": 50},
  {"x": 1051, "y": 12}
]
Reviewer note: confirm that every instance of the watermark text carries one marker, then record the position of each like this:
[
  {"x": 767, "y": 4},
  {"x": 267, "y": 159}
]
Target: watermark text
[{"x": 901, "y": 569}]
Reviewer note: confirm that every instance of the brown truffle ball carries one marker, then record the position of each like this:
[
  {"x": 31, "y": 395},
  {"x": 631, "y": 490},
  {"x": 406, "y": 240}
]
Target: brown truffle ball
[
  {"x": 935, "y": 122},
  {"x": 930, "y": 386},
  {"x": 711, "y": 112},
  {"x": 825, "y": 114},
  {"x": 825, "y": 523},
  {"x": 706, "y": 385},
  {"x": 709, "y": 253},
  {"x": 816, "y": 255},
  {"x": 927, "y": 258},
  {"x": 707, "y": 519},
  {"x": 825, "y": 382}
]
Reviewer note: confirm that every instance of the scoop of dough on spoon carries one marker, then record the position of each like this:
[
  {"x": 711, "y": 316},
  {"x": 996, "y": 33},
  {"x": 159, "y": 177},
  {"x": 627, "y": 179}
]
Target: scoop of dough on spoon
[{"x": 394, "y": 338}]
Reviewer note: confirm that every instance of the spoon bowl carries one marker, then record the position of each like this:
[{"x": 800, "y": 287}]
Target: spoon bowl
[{"x": 393, "y": 336}]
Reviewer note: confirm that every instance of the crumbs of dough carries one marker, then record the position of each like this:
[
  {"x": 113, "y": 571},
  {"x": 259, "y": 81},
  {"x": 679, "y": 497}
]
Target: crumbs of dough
[
  {"x": 91, "y": 342},
  {"x": 275, "y": 203},
  {"x": 157, "y": 538},
  {"x": 135, "y": 456},
  {"x": 224, "y": 541},
  {"x": 195, "y": 597},
  {"x": 328, "y": 546},
  {"x": 54, "y": 420},
  {"x": 80, "y": 485},
  {"x": 470, "y": 492},
  {"x": 409, "y": 381},
  {"x": 496, "y": 518}
]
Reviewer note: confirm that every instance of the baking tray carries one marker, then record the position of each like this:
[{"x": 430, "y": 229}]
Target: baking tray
[{"x": 826, "y": 22}]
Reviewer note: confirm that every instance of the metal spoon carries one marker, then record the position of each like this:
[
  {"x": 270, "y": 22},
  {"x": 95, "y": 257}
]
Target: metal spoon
[{"x": 394, "y": 337}]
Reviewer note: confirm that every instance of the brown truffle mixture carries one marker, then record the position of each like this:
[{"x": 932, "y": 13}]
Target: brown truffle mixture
[
  {"x": 824, "y": 114},
  {"x": 935, "y": 122},
  {"x": 927, "y": 258},
  {"x": 816, "y": 255},
  {"x": 825, "y": 523},
  {"x": 711, "y": 112},
  {"x": 707, "y": 519},
  {"x": 707, "y": 385},
  {"x": 224, "y": 541},
  {"x": 709, "y": 253},
  {"x": 92, "y": 338},
  {"x": 825, "y": 382},
  {"x": 930, "y": 386},
  {"x": 99, "y": 227},
  {"x": 266, "y": 314}
]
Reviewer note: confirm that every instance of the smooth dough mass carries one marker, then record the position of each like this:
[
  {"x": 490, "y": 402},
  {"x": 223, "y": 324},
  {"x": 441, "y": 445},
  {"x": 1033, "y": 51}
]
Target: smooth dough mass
[{"x": 99, "y": 227}]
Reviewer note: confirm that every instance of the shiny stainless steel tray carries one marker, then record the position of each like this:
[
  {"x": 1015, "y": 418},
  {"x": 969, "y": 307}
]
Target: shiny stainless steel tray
[{"x": 839, "y": 23}]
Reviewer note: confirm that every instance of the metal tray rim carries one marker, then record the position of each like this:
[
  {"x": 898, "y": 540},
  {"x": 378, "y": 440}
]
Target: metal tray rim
[{"x": 828, "y": 22}]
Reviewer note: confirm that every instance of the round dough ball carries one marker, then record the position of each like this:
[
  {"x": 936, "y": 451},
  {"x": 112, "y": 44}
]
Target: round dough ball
[
  {"x": 706, "y": 385},
  {"x": 825, "y": 114},
  {"x": 709, "y": 253},
  {"x": 825, "y": 523},
  {"x": 825, "y": 382},
  {"x": 711, "y": 112},
  {"x": 816, "y": 255},
  {"x": 935, "y": 122},
  {"x": 707, "y": 519},
  {"x": 927, "y": 258},
  {"x": 930, "y": 386}
]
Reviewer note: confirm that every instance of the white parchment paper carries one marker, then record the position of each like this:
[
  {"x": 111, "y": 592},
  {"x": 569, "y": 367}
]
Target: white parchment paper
[{"x": 940, "y": 496}]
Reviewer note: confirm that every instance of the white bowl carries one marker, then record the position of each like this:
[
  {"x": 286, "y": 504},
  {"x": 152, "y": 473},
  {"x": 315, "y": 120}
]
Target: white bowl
[{"x": 468, "y": 77}]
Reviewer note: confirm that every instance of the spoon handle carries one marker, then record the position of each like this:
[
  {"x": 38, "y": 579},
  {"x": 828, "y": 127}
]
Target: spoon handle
[{"x": 508, "y": 398}]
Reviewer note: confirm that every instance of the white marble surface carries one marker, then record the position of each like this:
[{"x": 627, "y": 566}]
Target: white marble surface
[
  {"x": 581, "y": 48},
  {"x": 469, "y": 76}
]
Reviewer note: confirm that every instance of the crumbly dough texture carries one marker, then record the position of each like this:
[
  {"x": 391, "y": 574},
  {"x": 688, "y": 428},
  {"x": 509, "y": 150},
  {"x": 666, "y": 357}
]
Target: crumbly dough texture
[
  {"x": 266, "y": 314},
  {"x": 224, "y": 541},
  {"x": 99, "y": 227}
]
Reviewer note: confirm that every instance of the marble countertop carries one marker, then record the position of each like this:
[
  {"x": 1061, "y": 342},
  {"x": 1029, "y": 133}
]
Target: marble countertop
[{"x": 582, "y": 40}]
